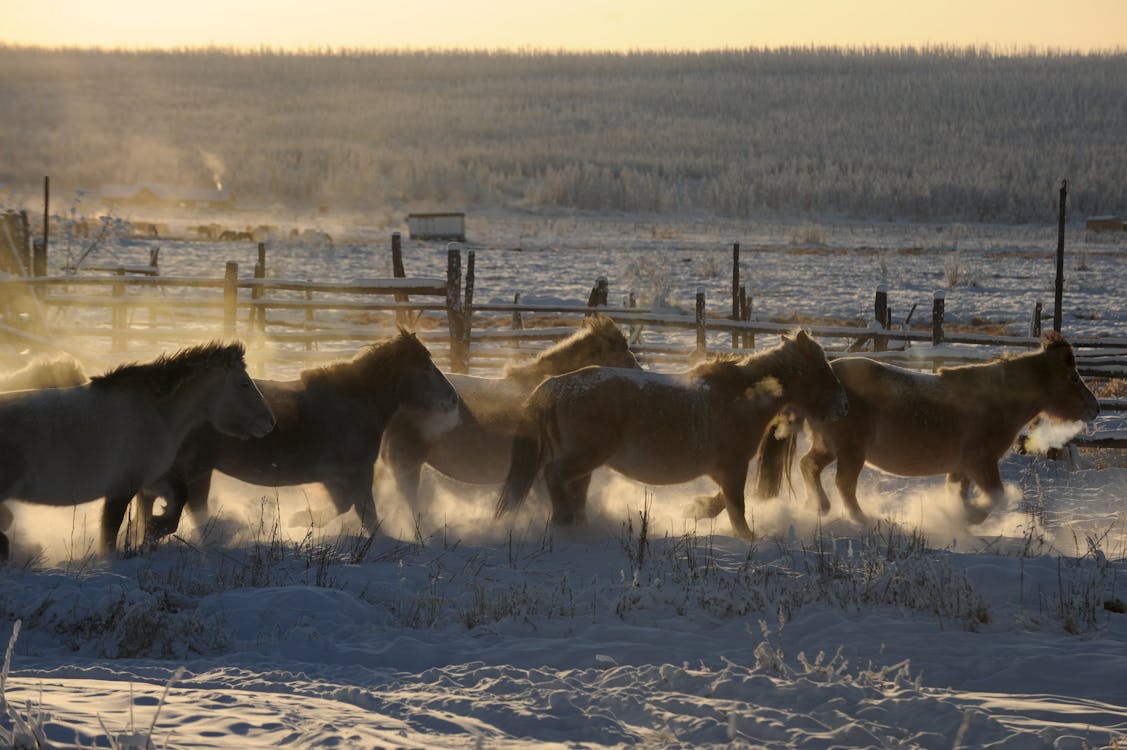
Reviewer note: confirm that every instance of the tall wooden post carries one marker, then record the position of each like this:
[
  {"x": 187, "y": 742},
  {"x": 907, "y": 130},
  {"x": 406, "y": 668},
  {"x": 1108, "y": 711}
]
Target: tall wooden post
[
  {"x": 735, "y": 291},
  {"x": 1058, "y": 289},
  {"x": 702, "y": 331},
  {"x": 454, "y": 304},
  {"x": 745, "y": 315},
  {"x": 230, "y": 298}
]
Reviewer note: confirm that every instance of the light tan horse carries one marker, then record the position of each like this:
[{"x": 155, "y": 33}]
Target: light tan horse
[
  {"x": 958, "y": 422},
  {"x": 665, "y": 429},
  {"x": 477, "y": 450},
  {"x": 45, "y": 372},
  {"x": 121, "y": 431}
]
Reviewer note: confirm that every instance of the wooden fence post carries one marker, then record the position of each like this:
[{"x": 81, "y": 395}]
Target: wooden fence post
[
  {"x": 1058, "y": 286},
  {"x": 880, "y": 314},
  {"x": 24, "y": 248},
  {"x": 309, "y": 318},
  {"x": 599, "y": 293},
  {"x": 745, "y": 315},
  {"x": 518, "y": 321},
  {"x": 120, "y": 320},
  {"x": 702, "y": 340},
  {"x": 1035, "y": 321},
  {"x": 736, "y": 308},
  {"x": 399, "y": 272},
  {"x": 937, "y": 305},
  {"x": 38, "y": 258},
  {"x": 230, "y": 298},
  {"x": 46, "y": 212},
  {"x": 454, "y": 305},
  {"x": 258, "y": 312},
  {"x": 467, "y": 309}
]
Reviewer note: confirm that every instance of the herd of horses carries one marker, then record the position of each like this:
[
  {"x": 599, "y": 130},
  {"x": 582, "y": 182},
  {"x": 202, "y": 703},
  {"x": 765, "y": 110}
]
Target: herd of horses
[{"x": 160, "y": 428}]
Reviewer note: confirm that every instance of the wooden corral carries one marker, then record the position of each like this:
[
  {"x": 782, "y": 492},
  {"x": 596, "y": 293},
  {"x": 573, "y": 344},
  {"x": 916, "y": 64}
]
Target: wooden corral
[{"x": 290, "y": 323}]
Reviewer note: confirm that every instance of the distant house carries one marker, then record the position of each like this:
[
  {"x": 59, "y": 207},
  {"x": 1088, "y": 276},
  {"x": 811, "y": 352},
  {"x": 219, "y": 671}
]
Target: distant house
[
  {"x": 442, "y": 226},
  {"x": 155, "y": 195},
  {"x": 1105, "y": 224}
]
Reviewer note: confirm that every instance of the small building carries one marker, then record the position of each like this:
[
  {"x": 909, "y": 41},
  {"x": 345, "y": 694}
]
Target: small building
[
  {"x": 442, "y": 226},
  {"x": 1105, "y": 224}
]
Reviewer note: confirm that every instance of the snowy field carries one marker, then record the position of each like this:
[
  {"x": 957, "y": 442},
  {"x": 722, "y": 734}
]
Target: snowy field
[{"x": 646, "y": 628}]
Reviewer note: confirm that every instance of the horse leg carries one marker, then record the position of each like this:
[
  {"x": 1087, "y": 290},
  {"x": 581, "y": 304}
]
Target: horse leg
[
  {"x": 355, "y": 491},
  {"x": 577, "y": 495},
  {"x": 196, "y": 491},
  {"x": 812, "y": 464},
  {"x": 5, "y": 524},
  {"x": 732, "y": 481},
  {"x": 403, "y": 456},
  {"x": 568, "y": 478},
  {"x": 113, "y": 512},
  {"x": 156, "y": 527},
  {"x": 848, "y": 472},
  {"x": 989, "y": 480}
]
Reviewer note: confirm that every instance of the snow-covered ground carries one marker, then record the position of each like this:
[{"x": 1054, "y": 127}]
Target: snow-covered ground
[{"x": 645, "y": 628}]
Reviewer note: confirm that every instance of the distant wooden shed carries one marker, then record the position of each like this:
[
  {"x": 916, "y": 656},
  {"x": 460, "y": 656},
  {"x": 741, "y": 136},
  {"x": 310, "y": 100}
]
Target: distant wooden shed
[
  {"x": 1105, "y": 224},
  {"x": 439, "y": 226}
]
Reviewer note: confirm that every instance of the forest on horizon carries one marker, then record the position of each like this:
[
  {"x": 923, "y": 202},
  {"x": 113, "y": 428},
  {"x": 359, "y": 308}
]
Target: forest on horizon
[{"x": 903, "y": 134}]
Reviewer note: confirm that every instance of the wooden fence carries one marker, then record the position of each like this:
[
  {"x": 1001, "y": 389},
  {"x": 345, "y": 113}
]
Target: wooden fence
[{"x": 297, "y": 322}]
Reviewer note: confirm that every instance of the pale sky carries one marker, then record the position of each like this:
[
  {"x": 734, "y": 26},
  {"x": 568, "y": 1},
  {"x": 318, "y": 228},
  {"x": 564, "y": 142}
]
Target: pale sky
[{"x": 1004, "y": 25}]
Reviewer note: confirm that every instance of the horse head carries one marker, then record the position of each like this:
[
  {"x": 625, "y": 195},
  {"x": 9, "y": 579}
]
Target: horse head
[
  {"x": 597, "y": 342},
  {"x": 418, "y": 387},
  {"x": 238, "y": 408},
  {"x": 811, "y": 385},
  {"x": 1064, "y": 393}
]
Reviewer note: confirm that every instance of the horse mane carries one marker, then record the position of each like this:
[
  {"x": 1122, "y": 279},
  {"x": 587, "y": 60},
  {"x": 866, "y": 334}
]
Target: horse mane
[
  {"x": 372, "y": 362},
  {"x": 546, "y": 362},
  {"x": 163, "y": 374},
  {"x": 980, "y": 372},
  {"x": 735, "y": 372}
]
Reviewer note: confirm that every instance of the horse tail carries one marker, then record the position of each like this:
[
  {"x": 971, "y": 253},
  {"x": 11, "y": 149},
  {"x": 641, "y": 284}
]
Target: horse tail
[
  {"x": 529, "y": 452},
  {"x": 776, "y": 457}
]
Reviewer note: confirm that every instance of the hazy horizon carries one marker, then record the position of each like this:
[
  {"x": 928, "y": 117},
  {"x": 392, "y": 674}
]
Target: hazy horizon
[{"x": 577, "y": 26}]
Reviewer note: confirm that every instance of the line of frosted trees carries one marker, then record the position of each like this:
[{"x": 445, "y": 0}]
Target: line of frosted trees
[{"x": 915, "y": 134}]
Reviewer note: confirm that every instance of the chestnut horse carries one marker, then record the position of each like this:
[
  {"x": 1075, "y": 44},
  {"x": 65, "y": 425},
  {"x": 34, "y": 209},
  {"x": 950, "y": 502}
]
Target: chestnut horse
[
  {"x": 121, "y": 431},
  {"x": 958, "y": 422},
  {"x": 330, "y": 424},
  {"x": 477, "y": 450},
  {"x": 665, "y": 429}
]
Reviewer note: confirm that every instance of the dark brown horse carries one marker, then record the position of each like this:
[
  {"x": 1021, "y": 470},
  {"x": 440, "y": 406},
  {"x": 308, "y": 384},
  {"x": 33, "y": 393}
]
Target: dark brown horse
[
  {"x": 665, "y": 429},
  {"x": 330, "y": 423},
  {"x": 122, "y": 430},
  {"x": 958, "y": 422},
  {"x": 477, "y": 450}
]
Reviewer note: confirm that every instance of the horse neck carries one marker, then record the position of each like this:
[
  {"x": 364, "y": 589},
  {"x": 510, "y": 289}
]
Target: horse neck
[
  {"x": 1017, "y": 386},
  {"x": 187, "y": 408}
]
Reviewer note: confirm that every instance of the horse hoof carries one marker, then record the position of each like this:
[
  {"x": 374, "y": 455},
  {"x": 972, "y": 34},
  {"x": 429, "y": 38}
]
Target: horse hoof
[{"x": 702, "y": 507}]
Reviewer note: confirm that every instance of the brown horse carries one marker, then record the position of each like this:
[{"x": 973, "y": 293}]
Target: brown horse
[
  {"x": 477, "y": 450},
  {"x": 330, "y": 424},
  {"x": 958, "y": 422},
  {"x": 665, "y": 429},
  {"x": 121, "y": 431}
]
